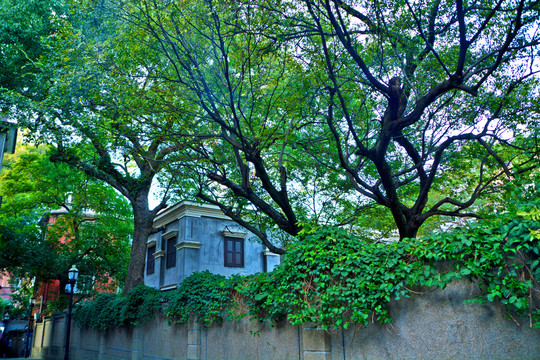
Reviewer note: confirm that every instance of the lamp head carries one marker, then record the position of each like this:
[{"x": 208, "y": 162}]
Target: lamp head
[{"x": 73, "y": 273}]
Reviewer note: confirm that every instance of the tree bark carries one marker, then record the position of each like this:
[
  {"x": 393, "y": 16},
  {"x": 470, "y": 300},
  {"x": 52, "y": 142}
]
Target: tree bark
[{"x": 142, "y": 227}]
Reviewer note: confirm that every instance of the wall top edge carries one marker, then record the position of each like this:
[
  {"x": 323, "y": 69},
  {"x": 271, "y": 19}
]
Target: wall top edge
[{"x": 188, "y": 208}]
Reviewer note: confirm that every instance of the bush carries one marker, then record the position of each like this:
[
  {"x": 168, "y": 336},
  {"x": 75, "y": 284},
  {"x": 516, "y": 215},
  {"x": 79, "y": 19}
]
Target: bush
[
  {"x": 109, "y": 311},
  {"x": 140, "y": 305},
  {"x": 333, "y": 279},
  {"x": 203, "y": 296},
  {"x": 101, "y": 313}
]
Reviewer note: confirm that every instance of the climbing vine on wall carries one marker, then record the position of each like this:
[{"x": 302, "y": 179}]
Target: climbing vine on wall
[{"x": 334, "y": 279}]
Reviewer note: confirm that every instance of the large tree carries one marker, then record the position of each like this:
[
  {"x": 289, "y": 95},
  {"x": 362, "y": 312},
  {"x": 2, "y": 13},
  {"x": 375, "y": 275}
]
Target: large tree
[
  {"x": 251, "y": 108},
  {"x": 421, "y": 92},
  {"x": 95, "y": 107},
  {"x": 23, "y": 24},
  {"x": 422, "y": 108}
]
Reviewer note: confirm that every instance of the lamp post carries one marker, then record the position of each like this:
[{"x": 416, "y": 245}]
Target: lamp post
[
  {"x": 73, "y": 274},
  {"x": 6, "y": 322},
  {"x": 29, "y": 332}
]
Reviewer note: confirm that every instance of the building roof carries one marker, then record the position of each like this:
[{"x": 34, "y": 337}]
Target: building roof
[{"x": 188, "y": 208}]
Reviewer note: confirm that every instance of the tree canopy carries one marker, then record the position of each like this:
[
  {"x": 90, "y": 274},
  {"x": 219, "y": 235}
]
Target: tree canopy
[
  {"x": 53, "y": 217},
  {"x": 93, "y": 107},
  {"x": 420, "y": 108}
]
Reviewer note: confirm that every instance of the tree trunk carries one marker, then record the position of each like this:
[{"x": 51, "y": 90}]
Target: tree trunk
[
  {"x": 410, "y": 230},
  {"x": 143, "y": 219}
]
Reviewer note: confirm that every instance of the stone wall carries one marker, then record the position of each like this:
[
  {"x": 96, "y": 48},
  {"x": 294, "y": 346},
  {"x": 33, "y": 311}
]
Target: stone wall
[{"x": 434, "y": 325}]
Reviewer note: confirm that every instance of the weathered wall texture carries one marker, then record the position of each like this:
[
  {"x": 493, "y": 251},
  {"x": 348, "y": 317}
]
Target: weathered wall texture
[{"x": 435, "y": 325}]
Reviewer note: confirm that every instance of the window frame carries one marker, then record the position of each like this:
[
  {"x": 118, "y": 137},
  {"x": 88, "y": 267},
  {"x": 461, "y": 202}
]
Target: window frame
[
  {"x": 170, "y": 252},
  {"x": 150, "y": 260},
  {"x": 226, "y": 250}
]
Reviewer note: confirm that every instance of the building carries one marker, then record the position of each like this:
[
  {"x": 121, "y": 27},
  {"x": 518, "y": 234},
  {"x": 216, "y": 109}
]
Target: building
[
  {"x": 49, "y": 291},
  {"x": 6, "y": 288},
  {"x": 199, "y": 237}
]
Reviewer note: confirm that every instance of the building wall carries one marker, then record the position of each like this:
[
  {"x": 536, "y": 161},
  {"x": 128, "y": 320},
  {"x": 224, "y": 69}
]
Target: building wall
[
  {"x": 208, "y": 232},
  {"x": 200, "y": 247},
  {"x": 6, "y": 291},
  {"x": 435, "y": 325}
]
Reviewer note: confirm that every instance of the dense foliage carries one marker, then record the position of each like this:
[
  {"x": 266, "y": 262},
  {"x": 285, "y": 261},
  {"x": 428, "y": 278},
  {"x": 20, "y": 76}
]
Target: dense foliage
[
  {"x": 334, "y": 279},
  {"x": 66, "y": 97},
  {"x": 109, "y": 310},
  {"x": 282, "y": 112},
  {"x": 53, "y": 216},
  {"x": 203, "y": 296}
]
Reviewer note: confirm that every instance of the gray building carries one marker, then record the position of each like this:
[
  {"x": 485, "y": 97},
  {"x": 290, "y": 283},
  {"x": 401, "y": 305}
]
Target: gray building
[{"x": 197, "y": 238}]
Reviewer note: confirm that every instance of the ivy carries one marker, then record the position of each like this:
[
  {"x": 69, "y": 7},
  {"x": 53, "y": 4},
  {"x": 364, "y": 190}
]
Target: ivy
[
  {"x": 203, "y": 296},
  {"x": 140, "y": 305},
  {"x": 102, "y": 313},
  {"x": 334, "y": 279},
  {"x": 109, "y": 311}
]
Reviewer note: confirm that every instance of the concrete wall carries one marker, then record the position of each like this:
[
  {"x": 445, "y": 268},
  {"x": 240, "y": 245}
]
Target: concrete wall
[{"x": 435, "y": 325}]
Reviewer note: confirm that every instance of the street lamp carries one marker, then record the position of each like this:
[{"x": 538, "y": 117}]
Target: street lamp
[
  {"x": 73, "y": 274},
  {"x": 29, "y": 332},
  {"x": 6, "y": 322}
]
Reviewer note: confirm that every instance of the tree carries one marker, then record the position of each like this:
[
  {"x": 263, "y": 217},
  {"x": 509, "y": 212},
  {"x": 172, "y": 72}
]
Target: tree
[
  {"x": 396, "y": 101},
  {"x": 93, "y": 230},
  {"x": 450, "y": 94},
  {"x": 290, "y": 112},
  {"x": 22, "y": 26},
  {"x": 242, "y": 95},
  {"x": 91, "y": 106}
]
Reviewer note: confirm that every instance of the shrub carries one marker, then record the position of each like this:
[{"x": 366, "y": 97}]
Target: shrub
[
  {"x": 108, "y": 311},
  {"x": 101, "y": 313},
  {"x": 203, "y": 296},
  {"x": 140, "y": 305},
  {"x": 333, "y": 279}
]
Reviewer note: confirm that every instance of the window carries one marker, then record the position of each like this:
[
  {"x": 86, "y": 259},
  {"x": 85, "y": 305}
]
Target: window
[
  {"x": 234, "y": 252},
  {"x": 171, "y": 253},
  {"x": 150, "y": 260}
]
